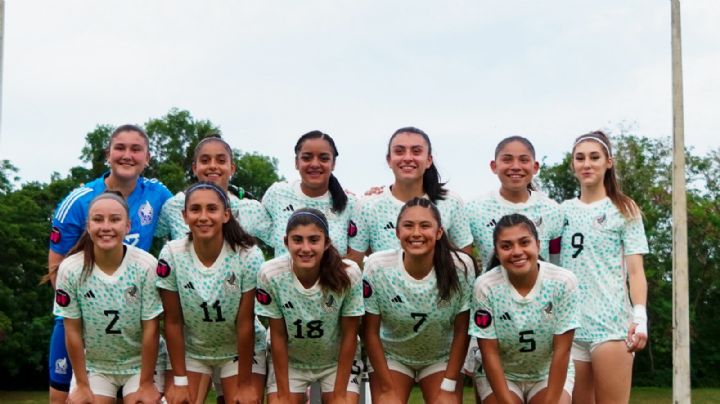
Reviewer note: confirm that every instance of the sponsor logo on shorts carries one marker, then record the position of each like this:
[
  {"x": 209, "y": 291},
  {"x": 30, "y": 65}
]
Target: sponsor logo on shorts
[
  {"x": 263, "y": 297},
  {"x": 55, "y": 235},
  {"x": 367, "y": 289},
  {"x": 61, "y": 366},
  {"x": 352, "y": 229},
  {"x": 163, "y": 269},
  {"x": 483, "y": 318},
  {"x": 62, "y": 298}
]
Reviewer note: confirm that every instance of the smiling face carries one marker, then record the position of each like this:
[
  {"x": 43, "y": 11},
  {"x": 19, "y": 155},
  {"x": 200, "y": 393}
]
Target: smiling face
[
  {"x": 128, "y": 155},
  {"x": 214, "y": 164},
  {"x": 418, "y": 231},
  {"x": 107, "y": 224},
  {"x": 409, "y": 156},
  {"x": 590, "y": 162},
  {"x": 205, "y": 214},
  {"x": 306, "y": 244},
  {"x": 315, "y": 162},
  {"x": 515, "y": 166},
  {"x": 517, "y": 250}
]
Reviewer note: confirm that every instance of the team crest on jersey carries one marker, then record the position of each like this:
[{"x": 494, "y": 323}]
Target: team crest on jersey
[
  {"x": 131, "y": 294},
  {"x": 539, "y": 224},
  {"x": 163, "y": 269},
  {"x": 352, "y": 229},
  {"x": 600, "y": 221},
  {"x": 263, "y": 297},
  {"x": 548, "y": 310},
  {"x": 55, "y": 235},
  {"x": 483, "y": 318},
  {"x": 62, "y": 298},
  {"x": 367, "y": 289},
  {"x": 146, "y": 213},
  {"x": 329, "y": 306},
  {"x": 231, "y": 282}
]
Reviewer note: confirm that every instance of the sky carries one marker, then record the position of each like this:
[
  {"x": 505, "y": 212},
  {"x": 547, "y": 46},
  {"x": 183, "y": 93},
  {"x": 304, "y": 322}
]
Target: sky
[{"x": 469, "y": 73}]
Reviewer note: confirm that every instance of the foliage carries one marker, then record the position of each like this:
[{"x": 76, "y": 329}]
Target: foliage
[{"x": 644, "y": 171}]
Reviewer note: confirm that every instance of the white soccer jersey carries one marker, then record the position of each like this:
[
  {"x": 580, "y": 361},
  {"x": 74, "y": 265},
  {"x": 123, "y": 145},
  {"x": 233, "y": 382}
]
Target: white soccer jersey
[
  {"x": 415, "y": 326},
  {"x": 525, "y": 325},
  {"x": 210, "y": 297},
  {"x": 251, "y": 215},
  {"x": 312, "y": 316},
  {"x": 376, "y": 218},
  {"x": 484, "y": 213},
  {"x": 282, "y": 199},
  {"x": 111, "y": 308},
  {"x": 595, "y": 240}
]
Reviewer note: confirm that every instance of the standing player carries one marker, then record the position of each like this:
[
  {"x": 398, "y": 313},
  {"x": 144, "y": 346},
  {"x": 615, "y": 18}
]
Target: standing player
[
  {"x": 603, "y": 244},
  {"x": 127, "y": 155},
  {"x": 525, "y": 316},
  {"x": 315, "y": 156},
  {"x": 314, "y": 303},
  {"x": 515, "y": 166},
  {"x": 417, "y": 302},
  {"x": 207, "y": 286},
  {"x": 409, "y": 156},
  {"x": 213, "y": 162},
  {"x": 106, "y": 294}
]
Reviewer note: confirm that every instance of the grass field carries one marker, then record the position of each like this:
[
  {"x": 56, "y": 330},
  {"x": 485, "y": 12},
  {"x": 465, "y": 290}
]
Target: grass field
[{"x": 640, "y": 395}]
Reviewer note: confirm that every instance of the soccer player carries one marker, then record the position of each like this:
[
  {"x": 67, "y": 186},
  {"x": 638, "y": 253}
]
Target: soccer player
[
  {"x": 127, "y": 155},
  {"x": 409, "y": 156},
  {"x": 524, "y": 316},
  {"x": 417, "y": 302},
  {"x": 213, "y": 162},
  {"x": 603, "y": 243},
  {"x": 515, "y": 166},
  {"x": 107, "y": 297},
  {"x": 313, "y": 300},
  {"x": 207, "y": 286},
  {"x": 318, "y": 188}
]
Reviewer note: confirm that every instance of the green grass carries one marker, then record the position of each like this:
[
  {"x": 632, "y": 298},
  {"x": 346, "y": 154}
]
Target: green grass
[{"x": 640, "y": 395}]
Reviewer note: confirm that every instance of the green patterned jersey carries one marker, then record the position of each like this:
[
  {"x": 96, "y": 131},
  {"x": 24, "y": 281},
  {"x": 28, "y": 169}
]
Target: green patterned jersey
[
  {"x": 210, "y": 296},
  {"x": 111, "y": 308},
  {"x": 525, "y": 325},
  {"x": 595, "y": 240},
  {"x": 415, "y": 325},
  {"x": 283, "y": 198},
  {"x": 376, "y": 216},
  {"x": 251, "y": 215},
  {"x": 484, "y": 213},
  {"x": 312, "y": 316}
]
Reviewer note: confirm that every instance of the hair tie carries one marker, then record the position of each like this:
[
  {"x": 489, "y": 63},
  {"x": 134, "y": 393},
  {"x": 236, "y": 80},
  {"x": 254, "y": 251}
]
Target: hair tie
[{"x": 595, "y": 138}]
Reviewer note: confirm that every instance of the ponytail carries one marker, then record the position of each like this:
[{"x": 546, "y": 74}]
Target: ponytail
[
  {"x": 433, "y": 188},
  {"x": 337, "y": 193}
]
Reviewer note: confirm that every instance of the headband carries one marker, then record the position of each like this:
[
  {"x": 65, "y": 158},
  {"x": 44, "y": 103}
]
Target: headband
[
  {"x": 595, "y": 138},
  {"x": 210, "y": 186},
  {"x": 322, "y": 221},
  {"x": 109, "y": 194}
]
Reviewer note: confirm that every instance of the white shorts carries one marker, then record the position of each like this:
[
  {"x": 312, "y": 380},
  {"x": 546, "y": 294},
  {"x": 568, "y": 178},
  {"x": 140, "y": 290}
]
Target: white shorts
[
  {"x": 258, "y": 367},
  {"x": 473, "y": 359},
  {"x": 524, "y": 390},
  {"x": 582, "y": 351},
  {"x": 224, "y": 367},
  {"x": 301, "y": 379},
  {"x": 415, "y": 373},
  {"x": 108, "y": 385}
]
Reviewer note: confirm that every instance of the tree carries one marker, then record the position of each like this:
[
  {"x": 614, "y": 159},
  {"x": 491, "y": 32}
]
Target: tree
[{"x": 255, "y": 173}]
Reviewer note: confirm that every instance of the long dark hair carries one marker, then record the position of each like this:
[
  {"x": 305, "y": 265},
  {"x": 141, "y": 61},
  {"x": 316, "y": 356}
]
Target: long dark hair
[
  {"x": 507, "y": 221},
  {"x": 337, "y": 193},
  {"x": 445, "y": 272},
  {"x": 525, "y": 142},
  {"x": 85, "y": 243},
  {"x": 627, "y": 207},
  {"x": 333, "y": 274},
  {"x": 432, "y": 186},
  {"x": 232, "y": 232},
  {"x": 216, "y": 137}
]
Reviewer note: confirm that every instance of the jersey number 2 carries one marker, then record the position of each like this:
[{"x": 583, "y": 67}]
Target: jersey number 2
[{"x": 116, "y": 316}]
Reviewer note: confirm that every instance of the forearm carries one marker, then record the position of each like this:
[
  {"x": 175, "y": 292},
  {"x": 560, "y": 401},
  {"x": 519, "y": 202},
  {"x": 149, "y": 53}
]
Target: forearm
[
  {"x": 636, "y": 279},
  {"x": 494, "y": 370},
  {"x": 459, "y": 346},
  {"x": 557, "y": 376},
  {"x": 76, "y": 352},
  {"x": 376, "y": 355},
  {"x": 279, "y": 351},
  {"x": 348, "y": 347},
  {"x": 150, "y": 343},
  {"x": 245, "y": 349},
  {"x": 54, "y": 260}
]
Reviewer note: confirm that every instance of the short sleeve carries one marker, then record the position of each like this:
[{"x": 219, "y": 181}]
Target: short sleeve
[
  {"x": 353, "y": 304},
  {"x": 466, "y": 278},
  {"x": 151, "y": 304},
  {"x": 162, "y": 230},
  {"x": 165, "y": 271},
  {"x": 266, "y": 304},
  {"x": 253, "y": 261},
  {"x": 370, "y": 296},
  {"x": 68, "y": 222},
  {"x": 359, "y": 230},
  {"x": 566, "y": 312},
  {"x": 459, "y": 229},
  {"x": 634, "y": 240},
  {"x": 482, "y": 316},
  {"x": 254, "y": 219},
  {"x": 66, "y": 292}
]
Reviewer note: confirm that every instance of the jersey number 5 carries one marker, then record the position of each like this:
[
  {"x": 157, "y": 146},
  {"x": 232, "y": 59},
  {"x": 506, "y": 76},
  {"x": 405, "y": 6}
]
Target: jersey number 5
[
  {"x": 116, "y": 316},
  {"x": 577, "y": 241},
  {"x": 526, "y": 338}
]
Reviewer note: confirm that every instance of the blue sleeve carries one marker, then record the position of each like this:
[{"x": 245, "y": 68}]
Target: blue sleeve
[{"x": 69, "y": 221}]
